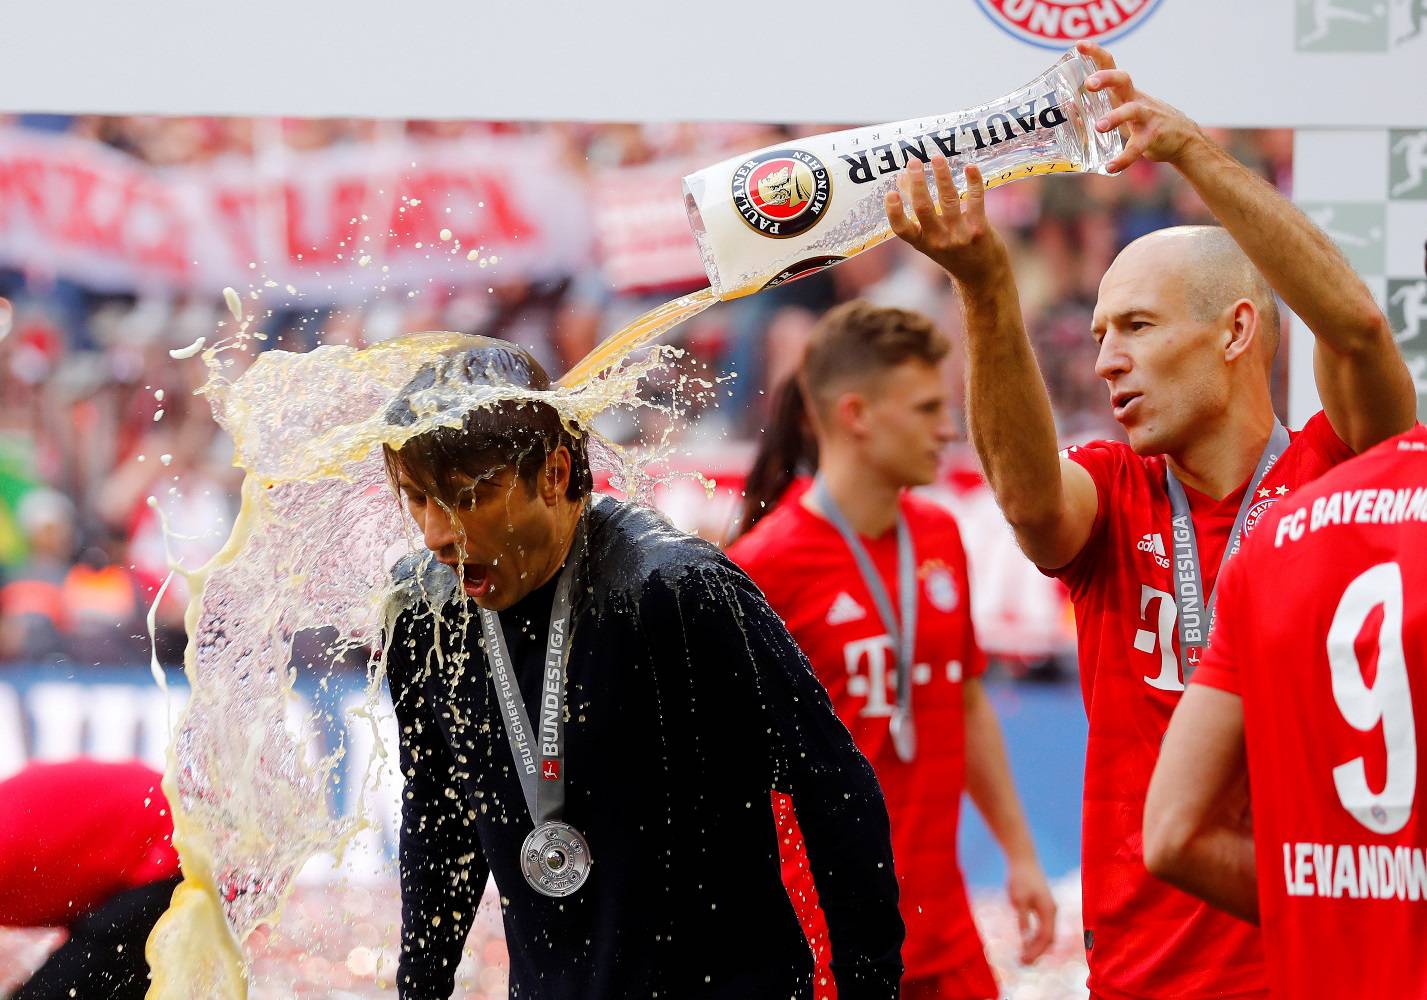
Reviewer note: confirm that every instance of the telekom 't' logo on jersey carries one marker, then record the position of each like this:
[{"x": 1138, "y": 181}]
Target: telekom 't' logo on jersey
[
  {"x": 1158, "y": 610},
  {"x": 872, "y": 674}
]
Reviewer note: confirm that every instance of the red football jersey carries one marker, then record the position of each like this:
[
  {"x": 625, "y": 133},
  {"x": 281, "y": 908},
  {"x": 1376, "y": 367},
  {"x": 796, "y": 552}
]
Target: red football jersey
[
  {"x": 1142, "y": 937},
  {"x": 1323, "y": 633},
  {"x": 75, "y": 833},
  {"x": 810, "y": 578}
]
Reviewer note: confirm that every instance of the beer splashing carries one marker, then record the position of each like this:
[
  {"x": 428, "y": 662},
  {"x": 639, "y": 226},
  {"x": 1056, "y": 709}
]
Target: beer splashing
[
  {"x": 646, "y": 329},
  {"x": 312, "y": 548}
]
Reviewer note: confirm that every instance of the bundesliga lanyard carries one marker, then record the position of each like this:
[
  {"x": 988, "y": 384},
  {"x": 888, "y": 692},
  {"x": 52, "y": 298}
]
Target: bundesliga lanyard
[
  {"x": 904, "y": 635},
  {"x": 555, "y": 856},
  {"x": 1196, "y": 612}
]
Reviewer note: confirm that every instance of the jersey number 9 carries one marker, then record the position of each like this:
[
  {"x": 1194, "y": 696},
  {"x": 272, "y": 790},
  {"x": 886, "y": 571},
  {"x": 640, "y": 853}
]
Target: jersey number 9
[{"x": 1388, "y": 700}]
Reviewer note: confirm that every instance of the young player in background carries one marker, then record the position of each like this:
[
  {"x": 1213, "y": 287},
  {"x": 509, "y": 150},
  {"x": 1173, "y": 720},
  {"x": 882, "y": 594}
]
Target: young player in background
[
  {"x": 842, "y": 560},
  {"x": 1318, "y": 672}
]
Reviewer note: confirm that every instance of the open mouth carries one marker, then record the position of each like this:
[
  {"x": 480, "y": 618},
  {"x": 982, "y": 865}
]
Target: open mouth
[
  {"x": 475, "y": 579},
  {"x": 1123, "y": 404}
]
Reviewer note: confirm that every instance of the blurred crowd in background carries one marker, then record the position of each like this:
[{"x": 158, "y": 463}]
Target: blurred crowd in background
[{"x": 96, "y": 417}]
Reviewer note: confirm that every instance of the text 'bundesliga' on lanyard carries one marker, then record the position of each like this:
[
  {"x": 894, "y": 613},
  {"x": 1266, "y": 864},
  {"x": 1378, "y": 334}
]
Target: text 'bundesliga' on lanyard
[
  {"x": 555, "y": 856},
  {"x": 903, "y": 630},
  {"x": 1196, "y": 612}
]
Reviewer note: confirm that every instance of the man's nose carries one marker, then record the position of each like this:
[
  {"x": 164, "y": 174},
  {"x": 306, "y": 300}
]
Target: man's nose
[
  {"x": 946, "y": 430},
  {"x": 438, "y": 528},
  {"x": 1112, "y": 361}
]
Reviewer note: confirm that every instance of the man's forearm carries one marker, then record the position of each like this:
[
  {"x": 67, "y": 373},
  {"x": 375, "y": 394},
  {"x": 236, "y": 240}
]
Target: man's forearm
[
  {"x": 1217, "y": 865},
  {"x": 1294, "y": 255},
  {"x": 442, "y": 875},
  {"x": 440, "y": 868},
  {"x": 1008, "y": 407},
  {"x": 1365, "y": 387},
  {"x": 439, "y": 896},
  {"x": 988, "y": 778}
]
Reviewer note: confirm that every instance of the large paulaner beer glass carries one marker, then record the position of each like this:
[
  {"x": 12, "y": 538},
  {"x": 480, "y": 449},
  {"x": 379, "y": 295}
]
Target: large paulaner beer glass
[{"x": 784, "y": 212}]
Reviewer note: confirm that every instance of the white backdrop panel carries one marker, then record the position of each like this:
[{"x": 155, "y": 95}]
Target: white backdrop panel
[{"x": 1230, "y": 63}]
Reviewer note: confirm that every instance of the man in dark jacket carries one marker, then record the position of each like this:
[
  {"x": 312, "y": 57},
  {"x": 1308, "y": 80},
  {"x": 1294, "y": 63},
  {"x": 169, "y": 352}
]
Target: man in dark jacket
[{"x": 626, "y": 815}]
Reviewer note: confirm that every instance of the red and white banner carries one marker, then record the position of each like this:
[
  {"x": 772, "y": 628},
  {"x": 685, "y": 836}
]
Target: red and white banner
[
  {"x": 338, "y": 224},
  {"x": 642, "y": 227}
]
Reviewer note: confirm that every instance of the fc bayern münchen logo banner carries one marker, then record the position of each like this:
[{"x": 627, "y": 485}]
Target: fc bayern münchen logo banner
[{"x": 1059, "y": 24}]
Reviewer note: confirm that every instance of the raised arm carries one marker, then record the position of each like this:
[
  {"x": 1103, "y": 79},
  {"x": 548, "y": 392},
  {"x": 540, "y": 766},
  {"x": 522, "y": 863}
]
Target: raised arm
[
  {"x": 442, "y": 870},
  {"x": 1366, "y": 389},
  {"x": 1049, "y": 501}
]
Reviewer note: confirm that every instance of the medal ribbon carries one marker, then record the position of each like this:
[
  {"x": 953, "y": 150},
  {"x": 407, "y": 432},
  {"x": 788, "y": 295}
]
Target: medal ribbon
[
  {"x": 1196, "y": 613},
  {"x": 903, "y": 631},
  {"x": 539, "y": 758}
]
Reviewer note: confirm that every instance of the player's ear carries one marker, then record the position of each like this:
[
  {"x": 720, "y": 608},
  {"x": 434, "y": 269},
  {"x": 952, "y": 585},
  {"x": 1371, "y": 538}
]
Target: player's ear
[
  {"x": 849, "y": 412},
  {"x": 1242, "y": 329},
  {"x": 555, "y": 477}
]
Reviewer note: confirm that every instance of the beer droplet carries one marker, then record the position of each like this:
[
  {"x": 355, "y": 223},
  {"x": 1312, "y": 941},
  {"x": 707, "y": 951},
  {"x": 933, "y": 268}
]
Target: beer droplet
[
  {"x": 445, "y": 234},
  {"x": 189, "y": 351},
  {"x": 235, "y": 304}
]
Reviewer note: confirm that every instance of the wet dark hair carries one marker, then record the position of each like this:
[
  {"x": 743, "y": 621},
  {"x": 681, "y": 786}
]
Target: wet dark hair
[
  {"x": 518, "y": 433},
  {"x": 850, "y": 344}
]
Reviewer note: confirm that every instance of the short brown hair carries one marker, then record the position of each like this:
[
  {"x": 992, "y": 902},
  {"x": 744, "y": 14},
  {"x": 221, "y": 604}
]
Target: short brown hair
[
  {"x": 851, "y": 343},
  {"x": 518, "y": 433},
  {"x": 858, "y": 339}
]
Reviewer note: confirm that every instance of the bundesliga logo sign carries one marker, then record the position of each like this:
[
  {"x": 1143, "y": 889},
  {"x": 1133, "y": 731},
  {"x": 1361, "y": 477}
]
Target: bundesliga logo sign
[{"x": 1058, "y": 24}]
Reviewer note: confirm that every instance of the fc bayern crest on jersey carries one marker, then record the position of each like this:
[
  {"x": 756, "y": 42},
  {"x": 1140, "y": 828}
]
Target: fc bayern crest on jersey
[
  {"x": 1257, "y": 511},
  {"x": 781, "y": 193},
  {"x": 1059, "y": 24},
  {"x": 941, "y": 589}
]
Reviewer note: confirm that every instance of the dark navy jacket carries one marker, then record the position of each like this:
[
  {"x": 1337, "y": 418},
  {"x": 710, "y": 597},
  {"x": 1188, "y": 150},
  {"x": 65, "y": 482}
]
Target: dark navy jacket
[{"x": 688, "y": 702}]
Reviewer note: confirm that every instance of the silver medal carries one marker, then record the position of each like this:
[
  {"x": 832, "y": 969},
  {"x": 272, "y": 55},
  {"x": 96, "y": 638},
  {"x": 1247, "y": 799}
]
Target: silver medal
[
  {"x": 555, "y": 859},
  {"x": 904, "y": 735}
]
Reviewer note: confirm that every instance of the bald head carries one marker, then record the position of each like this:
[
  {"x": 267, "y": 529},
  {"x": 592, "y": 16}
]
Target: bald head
[{"x": 1215, "y": 274}]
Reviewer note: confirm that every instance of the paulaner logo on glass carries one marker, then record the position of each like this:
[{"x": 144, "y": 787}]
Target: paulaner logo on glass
[
  {"x": 996, "y": 128},
  {"x": 782, "y": 192}
]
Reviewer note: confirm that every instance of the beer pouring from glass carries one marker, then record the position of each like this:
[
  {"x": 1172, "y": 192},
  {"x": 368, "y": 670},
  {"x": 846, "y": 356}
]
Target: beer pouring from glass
[{"x": 769, "y": 217}]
